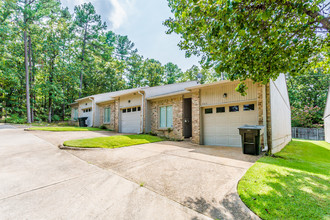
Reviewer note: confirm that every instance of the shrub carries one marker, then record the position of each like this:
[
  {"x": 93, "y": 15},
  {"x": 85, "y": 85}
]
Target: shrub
[
  {"x": 103, "y": 127},
  {"x": 56, "y": 118},
  {"x": 308, "y": 117},
  {"x": 16, "y": 119},
  {"x": 63, "y": 124}
]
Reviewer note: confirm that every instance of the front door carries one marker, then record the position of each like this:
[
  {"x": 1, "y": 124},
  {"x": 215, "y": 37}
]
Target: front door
[{"x": 187, "y": 126}]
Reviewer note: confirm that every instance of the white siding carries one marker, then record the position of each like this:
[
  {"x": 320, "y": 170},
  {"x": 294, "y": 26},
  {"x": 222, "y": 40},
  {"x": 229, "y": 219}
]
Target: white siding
[
  {"x": 280, "y": 114},
  {"x": 83, "y": 105},
  {"x": 161, "y": 90},
  {"x": 214, "y": 95},
  {"x": 131, "y": 100},
  {"x": 327, "y": 119}
]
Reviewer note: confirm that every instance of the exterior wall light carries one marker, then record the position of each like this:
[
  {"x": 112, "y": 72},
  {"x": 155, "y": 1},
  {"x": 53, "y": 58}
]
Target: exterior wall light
[{"x": 225, "y": 95}]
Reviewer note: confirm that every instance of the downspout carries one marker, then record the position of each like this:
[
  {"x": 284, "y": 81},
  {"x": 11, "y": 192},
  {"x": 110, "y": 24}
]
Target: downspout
[
  {"x": 264, "y": 114},
  {"x": 142, "y": 111},
  {"x": 92, "y": 99}
]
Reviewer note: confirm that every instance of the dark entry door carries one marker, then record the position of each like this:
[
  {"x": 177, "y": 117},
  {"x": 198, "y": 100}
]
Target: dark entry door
[{"x": 187, "y": 126}]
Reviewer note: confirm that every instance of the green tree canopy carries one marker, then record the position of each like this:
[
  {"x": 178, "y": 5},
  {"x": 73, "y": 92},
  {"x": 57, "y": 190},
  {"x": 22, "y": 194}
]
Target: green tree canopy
[
  {"x": 256, "y": 39},
  {"x": 173, "y": 73}
]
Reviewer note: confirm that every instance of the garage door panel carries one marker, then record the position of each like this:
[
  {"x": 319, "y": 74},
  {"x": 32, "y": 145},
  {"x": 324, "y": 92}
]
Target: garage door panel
[
  {"x": 221, "y": 129},
  {"x": 234, "y": 141},
  {"x": 210, "y": 140},
  {"x": 222, "y": 140},
  {"x": 130, "y": 122}
]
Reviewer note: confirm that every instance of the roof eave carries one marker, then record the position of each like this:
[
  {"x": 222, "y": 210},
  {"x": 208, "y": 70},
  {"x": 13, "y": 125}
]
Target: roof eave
[{"x": 169, "y": 94}]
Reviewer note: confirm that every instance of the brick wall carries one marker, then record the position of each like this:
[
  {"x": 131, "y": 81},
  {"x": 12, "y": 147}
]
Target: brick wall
[
  {"x": 269, "y": 120},
  {"x": 177, "y": 131},
  {"x": 110, "y": 125},
  {"x": 116, "y": 115},
  {"x": 196, "y": 121},
  {"x": 260, "y": 106}
]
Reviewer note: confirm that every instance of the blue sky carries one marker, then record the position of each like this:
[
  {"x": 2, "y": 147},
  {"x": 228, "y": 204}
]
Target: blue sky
[{"x": 141, "y": 21}]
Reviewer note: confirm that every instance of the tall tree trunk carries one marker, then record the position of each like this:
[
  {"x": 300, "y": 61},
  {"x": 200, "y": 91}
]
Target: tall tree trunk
[
  {"x": 27, "y": 78},
  {"x": 31, "y": 77},
  {"x": 82, "y": 61},
  {"x": 50, "y": 93},
  {"x": 63, "y": 112}
]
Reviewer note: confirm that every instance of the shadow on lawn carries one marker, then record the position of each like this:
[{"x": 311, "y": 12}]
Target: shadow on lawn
[
  {"x": 314, "y": 158},
  {"x": 298, "y": 190}
]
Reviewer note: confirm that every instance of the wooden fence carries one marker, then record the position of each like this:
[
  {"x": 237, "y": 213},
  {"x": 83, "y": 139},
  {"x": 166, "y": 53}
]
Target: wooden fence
[{"x": 308, "y": 133}]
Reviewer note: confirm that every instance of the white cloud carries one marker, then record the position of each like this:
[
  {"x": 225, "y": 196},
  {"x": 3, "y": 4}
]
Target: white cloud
[
  {"x": 121, "y": 11},
  {"x": 115, "y": 11}
]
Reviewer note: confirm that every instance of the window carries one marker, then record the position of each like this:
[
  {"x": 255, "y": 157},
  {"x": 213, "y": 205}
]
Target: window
[
  {"x": 220, "y": 109},
  {"x": 75, "y": 114},
  {"x": 166, "y": 117},
  {"x": 87, "y": 110},
  {"x": 134, "y": 109},
  {"x": 208, "y": 110},
  {"x": 106, "y": 118},
  {"x": 139, "y": 108},
  {"x": 234, "y": 108},
  {"x": 249, "y": 107},
  {"x": 124, "y": 110},
  {"x": 129, "y": 110}
]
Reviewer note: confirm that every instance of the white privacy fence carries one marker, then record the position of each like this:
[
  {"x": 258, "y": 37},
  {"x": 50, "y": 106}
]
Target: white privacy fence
[{"x": 308, "y": 133}]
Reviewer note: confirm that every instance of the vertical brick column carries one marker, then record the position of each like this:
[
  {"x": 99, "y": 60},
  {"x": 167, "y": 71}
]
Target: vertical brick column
[
  {"x": 260, "y": 107},
  {"x": 269, "y": 120},
  {"x": 196, "y": 121},
  {"x": 116, "y": 117},
  {"x": 178, "y": 118}
]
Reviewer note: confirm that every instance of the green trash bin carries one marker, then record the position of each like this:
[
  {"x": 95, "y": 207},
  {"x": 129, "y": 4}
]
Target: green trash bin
[{"x": 251, "y": 136}]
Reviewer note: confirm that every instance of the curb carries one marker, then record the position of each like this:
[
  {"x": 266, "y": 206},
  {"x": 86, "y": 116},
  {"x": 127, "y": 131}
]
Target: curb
[{"x": 62, "y": 147}]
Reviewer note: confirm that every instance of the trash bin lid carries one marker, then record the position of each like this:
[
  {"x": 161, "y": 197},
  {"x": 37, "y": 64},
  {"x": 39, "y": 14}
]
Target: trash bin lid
[
  {"x": 83, "y": 118},
  {"x": 252, "y": 127}
]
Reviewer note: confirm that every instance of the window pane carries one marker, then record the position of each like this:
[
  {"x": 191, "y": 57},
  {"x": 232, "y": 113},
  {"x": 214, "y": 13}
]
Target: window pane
[
  {"x": 107, "y": 115},
  {"x": 208, "y": 111},
  {"x": 220, "y": 109},
  {"x": 75, "y": 114},
  {"x": 249, "y": 107},
  {"x": 134, "y": 109},
  {"x": 233, "y": 108},
  {"x": 169, "y": 117},
  {"x": 162, "y": 117},
  {"x": 129, "y": 110},
  {"x": 139, "y": 108},
  {"x": 124, "y": 110}
]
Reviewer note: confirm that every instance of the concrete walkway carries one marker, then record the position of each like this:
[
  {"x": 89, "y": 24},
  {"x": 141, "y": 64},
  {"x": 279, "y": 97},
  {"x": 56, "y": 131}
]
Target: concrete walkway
[
  {"x": 39, "y": 181},
  {"x": 201, "y": 178}
]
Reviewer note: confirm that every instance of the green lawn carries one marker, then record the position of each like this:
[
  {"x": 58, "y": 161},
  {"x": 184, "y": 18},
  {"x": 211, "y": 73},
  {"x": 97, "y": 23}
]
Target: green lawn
[
  {"x": 65, "y": 129},
  {"x": 113, "y": 141},
  {"x": 295, "y": 184}
]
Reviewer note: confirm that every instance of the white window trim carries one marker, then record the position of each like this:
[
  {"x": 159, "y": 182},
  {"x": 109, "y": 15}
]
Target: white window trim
[
  {"x": 104, "y": 112},
  {"x": 75, "y": 111},
  {"x": 159, "y": 118}
]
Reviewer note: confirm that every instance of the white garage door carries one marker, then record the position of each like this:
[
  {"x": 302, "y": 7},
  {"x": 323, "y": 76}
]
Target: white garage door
[
  {"x": 88, "y": 113},
  {"x": 220, "y": 123},
  {"x": 130, "y": 120}
]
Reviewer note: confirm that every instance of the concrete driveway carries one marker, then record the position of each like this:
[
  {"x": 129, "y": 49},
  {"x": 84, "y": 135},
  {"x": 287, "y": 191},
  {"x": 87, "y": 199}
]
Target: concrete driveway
[{"x": 166, "y": 180}]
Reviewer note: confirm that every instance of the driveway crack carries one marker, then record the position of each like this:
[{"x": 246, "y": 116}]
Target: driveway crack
[{"x": 49, "y": 185}]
